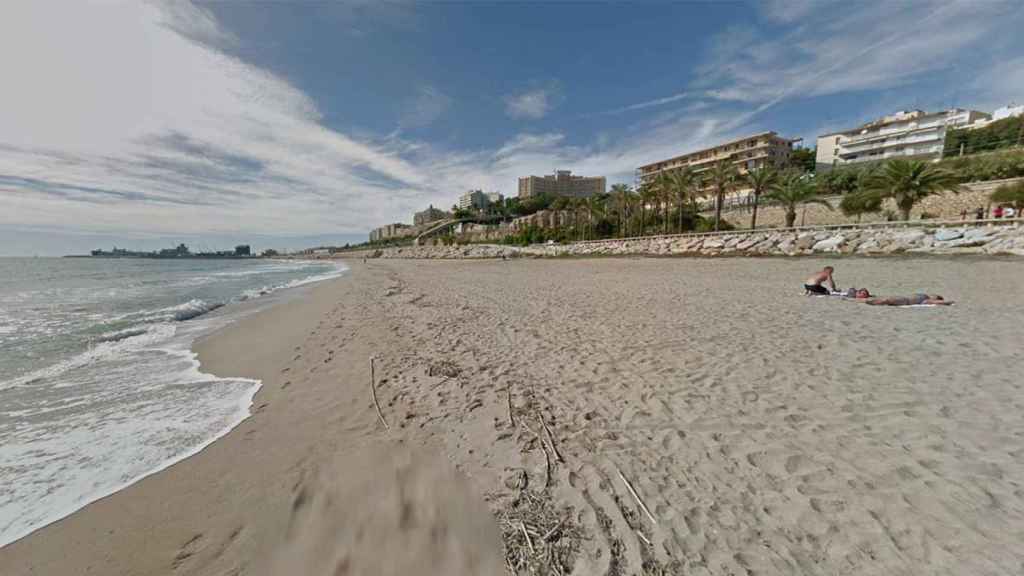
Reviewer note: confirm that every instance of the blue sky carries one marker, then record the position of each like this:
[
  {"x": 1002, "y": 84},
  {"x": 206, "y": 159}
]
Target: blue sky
[{"x": 286, "y": 124}]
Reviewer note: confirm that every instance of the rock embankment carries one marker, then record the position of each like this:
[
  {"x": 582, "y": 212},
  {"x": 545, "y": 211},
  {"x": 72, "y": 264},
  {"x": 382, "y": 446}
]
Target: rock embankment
[{"x": 990, "y": 239}]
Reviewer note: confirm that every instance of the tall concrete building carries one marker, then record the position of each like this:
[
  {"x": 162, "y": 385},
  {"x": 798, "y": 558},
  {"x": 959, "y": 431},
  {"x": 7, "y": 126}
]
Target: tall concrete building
[
  {"x": 747, "y": 153},
  {"x": 561, "y": 183},
  {"x": 474, "y": 200},
  {"x": 908, "y": 133}
]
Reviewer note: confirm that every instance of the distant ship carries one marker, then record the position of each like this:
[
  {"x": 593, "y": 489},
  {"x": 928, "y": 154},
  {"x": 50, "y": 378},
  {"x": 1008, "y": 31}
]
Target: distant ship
[{"x": 241, "y": 251}]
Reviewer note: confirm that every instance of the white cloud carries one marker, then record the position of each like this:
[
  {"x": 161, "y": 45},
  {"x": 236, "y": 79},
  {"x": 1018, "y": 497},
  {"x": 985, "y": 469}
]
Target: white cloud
[
  {"x": 126, "y": 117},
  {"x": 427, "y": 105},
  {"x": 877, "y": 46},
  {"x": 533, "y": 104}
]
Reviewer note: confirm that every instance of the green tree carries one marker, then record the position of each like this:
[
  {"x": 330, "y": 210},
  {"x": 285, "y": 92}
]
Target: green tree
[
  {"x": 663, "y": 186},
  {"x": 595, "y": 206},
  {"x": 684, "y": 183},
  {"x": 648, "y": 195},
  {"x": 908, "y": 182},
  {"x": 760, "y": 181},
  {"x": 1012, "y": 194},
  {"x": 620, "y": 195},
  {"x": 793, "y": 190},
  {"x": 860, "y": 203},
  {"x": 722, "y": 177},
  {"x": 804, "y": 159}
]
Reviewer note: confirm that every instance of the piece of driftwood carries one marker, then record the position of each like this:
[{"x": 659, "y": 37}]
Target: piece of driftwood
[
  {"x": 529, "y": 543},
  {"x": 636, "y": 496},
  {"x": 373, "y": 391},
  {"x": 508, "y": 399},
  {"x": 551, "y": 438}
]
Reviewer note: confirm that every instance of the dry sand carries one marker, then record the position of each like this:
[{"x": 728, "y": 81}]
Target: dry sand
[{"x": 668, "y": 416}]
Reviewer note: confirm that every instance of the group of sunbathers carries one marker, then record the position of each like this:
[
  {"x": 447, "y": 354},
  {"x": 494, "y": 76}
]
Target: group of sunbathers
[{"x": 815, "y": 285}]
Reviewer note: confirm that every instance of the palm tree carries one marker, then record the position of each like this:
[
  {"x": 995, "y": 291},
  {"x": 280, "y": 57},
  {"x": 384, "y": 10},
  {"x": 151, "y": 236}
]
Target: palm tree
[
  {"x": 682, "y": 185},
  {"x": 647, "y": 194},
  {"x": 860, "y": 203},
  {"x": 620, "y": 192},
  {"x": 722, "y": 177},
  {"x": 595, "y": 207},
  {"x": 759, "y": 180},
  {"x": 792, "y": 190},
  {"x": 663, "y": 186},
  {"x": 908, "y": 182}
]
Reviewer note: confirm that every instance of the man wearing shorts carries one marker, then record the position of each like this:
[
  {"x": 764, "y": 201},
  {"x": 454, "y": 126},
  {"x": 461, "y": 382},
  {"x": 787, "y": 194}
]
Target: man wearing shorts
[{"x": 815, "y": 284}]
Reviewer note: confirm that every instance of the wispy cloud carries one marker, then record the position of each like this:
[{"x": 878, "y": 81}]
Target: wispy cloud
[
  {"x": 424, "y": 108},
  {"x": 533, "y": 104},
  {"x": 647, "y": 104}
]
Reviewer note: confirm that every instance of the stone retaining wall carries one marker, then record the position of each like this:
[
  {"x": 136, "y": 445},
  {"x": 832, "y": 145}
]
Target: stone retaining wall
[
  {"x": 1006, "y": 237},
  {"x": 947, "y": 206}
]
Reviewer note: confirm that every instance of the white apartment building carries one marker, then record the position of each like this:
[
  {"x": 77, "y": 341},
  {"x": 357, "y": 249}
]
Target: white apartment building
[
  {"x": 906, "y": 133},
  {"x": 1011, "y": 111}
]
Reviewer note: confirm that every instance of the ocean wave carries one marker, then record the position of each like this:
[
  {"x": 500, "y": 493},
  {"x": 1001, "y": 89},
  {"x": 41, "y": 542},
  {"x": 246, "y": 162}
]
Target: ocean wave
[
  {"x": 194, "y": 309},
  {"x": 100, "y": 351},
  {"x": 119, "y": 335}
]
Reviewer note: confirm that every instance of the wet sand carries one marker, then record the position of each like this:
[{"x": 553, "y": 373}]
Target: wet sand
[{"x": 686, "y": 416}]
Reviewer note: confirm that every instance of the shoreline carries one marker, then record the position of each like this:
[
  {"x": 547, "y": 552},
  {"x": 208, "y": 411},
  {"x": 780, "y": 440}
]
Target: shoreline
[
  {"x": 221, "y": 315},
  {"x": 229, "y": 505}
]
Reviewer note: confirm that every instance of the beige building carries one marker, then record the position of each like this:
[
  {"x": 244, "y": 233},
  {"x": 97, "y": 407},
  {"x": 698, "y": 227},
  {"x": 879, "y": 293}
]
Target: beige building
[
  {"x": 429, "y": 215},
  {"x": 748, "y": 153},
  {"x": 912, "y": 133},
  {"x": 396, "y": 230},
  {"x": 561, "y": 183}
]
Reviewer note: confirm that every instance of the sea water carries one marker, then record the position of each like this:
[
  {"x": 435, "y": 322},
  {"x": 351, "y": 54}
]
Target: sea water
[{"x": 98, "y": 383}]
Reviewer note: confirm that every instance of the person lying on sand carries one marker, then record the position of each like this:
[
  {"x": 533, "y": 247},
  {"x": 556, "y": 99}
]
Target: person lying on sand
[
  {"x": 915, "y": 300},
  {"x": 857, "y": 293},
  {"x": 815, "y": 284}
]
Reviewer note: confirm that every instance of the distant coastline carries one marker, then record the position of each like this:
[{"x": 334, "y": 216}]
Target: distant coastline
[{"x": 241, "y": 252}]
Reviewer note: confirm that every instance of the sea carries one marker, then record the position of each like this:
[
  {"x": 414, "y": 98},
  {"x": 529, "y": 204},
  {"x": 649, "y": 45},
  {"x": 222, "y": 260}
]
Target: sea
[{"x": 98, "y": 383}]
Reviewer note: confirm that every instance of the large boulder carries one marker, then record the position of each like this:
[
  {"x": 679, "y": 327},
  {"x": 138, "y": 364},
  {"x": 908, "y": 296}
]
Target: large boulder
[
  {"x": 947, "y": 234},
  {"x": 805, "y": 241},
  {"x": 829, "y": 244}
]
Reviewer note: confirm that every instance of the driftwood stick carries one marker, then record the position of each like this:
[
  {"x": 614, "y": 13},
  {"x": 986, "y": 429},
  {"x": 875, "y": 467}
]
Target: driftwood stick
[
  {"x": 529, "y": 543},
  {"x": 551, "y": 439},
  {"x": 553, "y": 530},
  {"x": 547, "y": 466},
  {"x": 373, "y": 391},
  {"x": 644, "y": 538},
  {"x": 636, "y": 497},
  {"x": 508, "y": 399}
]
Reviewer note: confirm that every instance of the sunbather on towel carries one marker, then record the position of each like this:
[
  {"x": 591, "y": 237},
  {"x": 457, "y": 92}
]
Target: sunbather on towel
[{"x": 915, "y": 300}]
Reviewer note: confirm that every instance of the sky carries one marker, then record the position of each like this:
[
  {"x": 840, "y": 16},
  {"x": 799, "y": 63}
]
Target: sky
[{"x": 292, "y": 124}]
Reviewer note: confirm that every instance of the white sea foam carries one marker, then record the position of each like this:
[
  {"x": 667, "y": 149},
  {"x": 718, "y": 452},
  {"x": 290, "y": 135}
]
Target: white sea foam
[{"x": 133, "y": 402}]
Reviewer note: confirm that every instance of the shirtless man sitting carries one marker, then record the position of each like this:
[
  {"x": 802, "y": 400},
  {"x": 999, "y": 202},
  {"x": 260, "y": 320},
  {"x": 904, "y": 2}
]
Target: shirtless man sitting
[
  {"x": 916, "y": 299},
  {"x": 815, "y": 284}
]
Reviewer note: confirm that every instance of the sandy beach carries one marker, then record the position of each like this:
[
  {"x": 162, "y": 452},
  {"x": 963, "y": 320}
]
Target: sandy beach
[{"x": 601, "y": 416}]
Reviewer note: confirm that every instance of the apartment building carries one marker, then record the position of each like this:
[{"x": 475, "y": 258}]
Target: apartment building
[
  {"x": 474, "y": 200},
  {"x": 562, "y": 183},
  {"x": 747, "y": 153},
  {"x": 396, "y": 230},
  {"x": 906, "y": 133},
  {"x": 1010, "y": 111},
  {"x": 429, "y": 215}
]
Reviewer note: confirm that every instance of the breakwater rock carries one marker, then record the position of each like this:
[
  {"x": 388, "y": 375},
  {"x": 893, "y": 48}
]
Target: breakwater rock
[{"x": 1001, "y": 238}]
